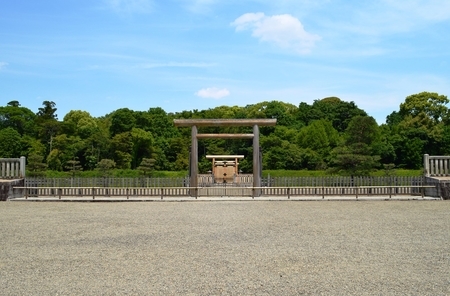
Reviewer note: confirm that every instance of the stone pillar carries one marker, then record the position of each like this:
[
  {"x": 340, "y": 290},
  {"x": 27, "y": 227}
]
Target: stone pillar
[
  {"x": 194, "y": 161},
  {"x": 22, "y": 166},
  {"x": 256, "y": 163},
  {"x": 426, "y": 165}
]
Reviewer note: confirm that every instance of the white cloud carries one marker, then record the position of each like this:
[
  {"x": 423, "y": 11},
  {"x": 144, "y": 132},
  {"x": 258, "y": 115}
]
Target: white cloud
[
  {"x": 3, "y": 65},
  {"x": 213, "y": 93},
  {"x": 130, "y": 6},
  {"x": 283, "y": 30}
]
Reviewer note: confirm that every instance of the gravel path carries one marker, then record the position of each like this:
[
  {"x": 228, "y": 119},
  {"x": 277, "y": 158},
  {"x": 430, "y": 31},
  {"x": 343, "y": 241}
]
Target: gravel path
[{"x": 225, "y": 248}]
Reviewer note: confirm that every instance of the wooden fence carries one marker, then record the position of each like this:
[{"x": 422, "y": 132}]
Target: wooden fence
[
  {"x": 106, "y": 182},
  {"x": 341, "y": 181},
  {"x": 333, "y": 181},
  {"x": 279, "y": 186},
  {"x": 228, "y": 191}
]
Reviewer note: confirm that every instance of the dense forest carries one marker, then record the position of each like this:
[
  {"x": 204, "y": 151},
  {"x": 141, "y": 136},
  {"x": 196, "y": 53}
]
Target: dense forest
[{"x": 329, "y": 134}]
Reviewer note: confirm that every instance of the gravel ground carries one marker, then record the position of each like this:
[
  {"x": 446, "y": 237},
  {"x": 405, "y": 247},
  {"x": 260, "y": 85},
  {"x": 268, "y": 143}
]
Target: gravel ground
[{"x": 225, "y": 248}]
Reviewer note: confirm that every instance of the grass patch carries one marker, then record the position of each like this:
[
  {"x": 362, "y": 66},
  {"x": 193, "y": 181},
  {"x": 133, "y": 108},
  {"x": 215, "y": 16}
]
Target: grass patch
[
  {"x": 118, "y": 173},
  {"x": 294, "y": 173},
  {"x": 306, "y": 173}
]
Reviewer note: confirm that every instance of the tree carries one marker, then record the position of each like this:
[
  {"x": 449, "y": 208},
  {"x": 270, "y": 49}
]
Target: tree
[
  {"x": 431, "y": 105},
  {"x": 122, "y": 147},
  {"x": 69, "y": 148},
  {"x": 47, "y": 121},
  {"x": 122, "y": 120},
  {"x": 354, "y": 160},
  {"x": 142, "y": 145},
  {"x": 19, "y": 118},
  {"x": 14, "y": 104},
  {"x": 147, "y": 165},
  {"x": 10, "y": 143},
  {"x": 177, "y": 154},
  {"x": 48, "y": 112},
  {"x": 105, "y": 166},
  {"x": 98, "y": 144},
  {"x": 362, "y": 129},
  {"x": 338, "y": 112},
  {"x": 73, "y": 166},
  {"x": 79, "y": 123},
  {"x": 54, "y": 160},
  {"x": 357, "y": 156},
  {"x": 419, "y": 127},
  {"x": 36, "y": 166},
  {"x": 318, "y": 135}
]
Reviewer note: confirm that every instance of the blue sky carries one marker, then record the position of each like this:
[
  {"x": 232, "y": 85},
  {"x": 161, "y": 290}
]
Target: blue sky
[{"x": 102, "y": 55}]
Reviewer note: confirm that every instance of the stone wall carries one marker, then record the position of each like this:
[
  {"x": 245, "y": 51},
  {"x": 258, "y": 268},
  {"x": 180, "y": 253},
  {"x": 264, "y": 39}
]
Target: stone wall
[
  {"x": 445, "y": 190},
  {"x": 6, "y": 189}
]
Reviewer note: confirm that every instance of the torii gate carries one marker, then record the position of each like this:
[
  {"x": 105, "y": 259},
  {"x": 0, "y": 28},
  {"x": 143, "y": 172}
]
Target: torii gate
[{"x": 195, "y": 123}]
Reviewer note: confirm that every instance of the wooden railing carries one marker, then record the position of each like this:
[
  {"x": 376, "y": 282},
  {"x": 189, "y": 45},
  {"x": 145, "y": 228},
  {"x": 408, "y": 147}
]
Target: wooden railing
[
  {"x": 103, "y": 192},
  {"x": 436, "y": 166},
  {"x": 12, "y": 168},
  {"x": 345, "y": 191},
  {"x": 194, "y": 192}
]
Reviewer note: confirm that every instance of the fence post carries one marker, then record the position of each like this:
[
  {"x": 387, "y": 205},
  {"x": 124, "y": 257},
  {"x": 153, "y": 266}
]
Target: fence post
[
  {"x": 59, "y": 192},
  {"x": 356, "y": 190},
  {"x": 289, "y": 192},
  {"x": 22, "y": 166},
  {"x": 162, "y": 193},
  {"x": 426, "y": 164}
]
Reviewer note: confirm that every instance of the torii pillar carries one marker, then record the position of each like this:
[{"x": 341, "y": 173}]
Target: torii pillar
[{"x": 195, "y": 123}]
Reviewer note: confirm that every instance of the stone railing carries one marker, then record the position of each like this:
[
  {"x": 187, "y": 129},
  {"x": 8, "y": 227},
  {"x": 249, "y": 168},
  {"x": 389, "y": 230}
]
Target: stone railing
[
  {"x": 8, "y": 190},
  {"x": 12, "y": 168},
  {"x": 436, "y": 166}
]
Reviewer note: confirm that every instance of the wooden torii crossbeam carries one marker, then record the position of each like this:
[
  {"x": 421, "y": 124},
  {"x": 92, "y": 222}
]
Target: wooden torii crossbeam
[{"x": 195, "y": 123}]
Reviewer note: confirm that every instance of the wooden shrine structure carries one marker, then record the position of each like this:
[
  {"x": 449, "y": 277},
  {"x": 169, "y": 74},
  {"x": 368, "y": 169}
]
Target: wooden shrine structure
[
  {"x": 224, "y": 167},
  {"x": 196, "y": 123}
]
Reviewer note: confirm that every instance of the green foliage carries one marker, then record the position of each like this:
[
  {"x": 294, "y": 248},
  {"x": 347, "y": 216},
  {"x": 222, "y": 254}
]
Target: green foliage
[
  {"x": 36, "y": 166},
  {"x": 431, "y": 106},
  {"x": 338, "y": 112},
  {"x": 122, "y": 147},
  {"x": 142, "y": 147},
  {"x": 19, "y": 118},
  {"x": 73, "y": 167},
  {"x": 351, "y": 160},
  {"x": 357, "y": 155},
  {"x": 325, "y": 173},
  {"x": 327, "y": 134},
  {"x": 122, "y": 120},
  {"x": 48, "y": 112},
  {"x": 147, "y": 166},
  {"x": 10, "y": 143},
  {"x": 105, "y": 166}
]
